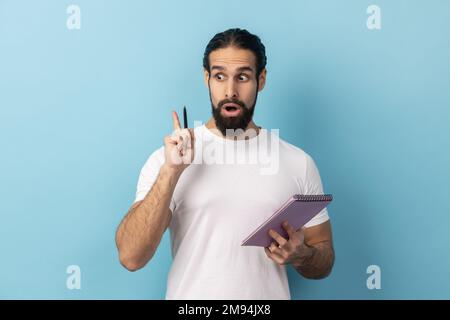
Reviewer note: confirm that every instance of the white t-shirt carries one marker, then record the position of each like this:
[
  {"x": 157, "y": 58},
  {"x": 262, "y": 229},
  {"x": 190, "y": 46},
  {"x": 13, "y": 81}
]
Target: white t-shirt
[{"x": 218, "y": 201}]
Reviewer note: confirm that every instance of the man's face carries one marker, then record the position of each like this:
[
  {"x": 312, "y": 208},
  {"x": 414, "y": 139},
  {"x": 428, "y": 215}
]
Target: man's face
[{"x": 233, "y": 87}]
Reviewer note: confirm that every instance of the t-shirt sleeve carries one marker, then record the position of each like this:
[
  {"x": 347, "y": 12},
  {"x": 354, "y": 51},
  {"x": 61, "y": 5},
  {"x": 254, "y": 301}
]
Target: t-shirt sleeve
[
  {"x": 313, "y": 185},
  {"x": 148, "y": 175}
]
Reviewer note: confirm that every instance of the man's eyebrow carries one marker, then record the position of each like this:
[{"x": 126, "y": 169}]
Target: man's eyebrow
[
  {"x": 217, "y": 68},
  {"x": 240, "y": 69},
  {"x": 245, "y": 69}
]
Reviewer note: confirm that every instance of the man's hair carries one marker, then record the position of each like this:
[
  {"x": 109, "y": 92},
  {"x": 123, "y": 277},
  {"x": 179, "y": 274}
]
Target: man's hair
[{"x": 239, "y": 38}]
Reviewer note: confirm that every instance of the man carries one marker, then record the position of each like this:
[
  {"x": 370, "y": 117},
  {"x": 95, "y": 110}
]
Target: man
[{"x": 211, "y": 206}]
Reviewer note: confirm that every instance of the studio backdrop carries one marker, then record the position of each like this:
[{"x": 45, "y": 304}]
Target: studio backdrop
[{"x": 86, "y": 91}]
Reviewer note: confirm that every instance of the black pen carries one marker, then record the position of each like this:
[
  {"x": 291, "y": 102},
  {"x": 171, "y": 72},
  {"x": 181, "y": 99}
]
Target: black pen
[{"x": 185, "y": 118}]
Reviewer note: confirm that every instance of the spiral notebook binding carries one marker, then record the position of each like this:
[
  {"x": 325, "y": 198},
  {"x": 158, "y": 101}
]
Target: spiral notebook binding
[{"x": 313, "y": 197}]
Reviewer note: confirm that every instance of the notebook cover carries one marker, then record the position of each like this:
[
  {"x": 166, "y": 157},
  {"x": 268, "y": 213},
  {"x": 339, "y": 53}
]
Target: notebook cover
[{"x": 298, "y": 211}]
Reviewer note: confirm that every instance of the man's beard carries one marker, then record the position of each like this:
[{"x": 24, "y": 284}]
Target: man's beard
[{"x": 239, "y": 122}]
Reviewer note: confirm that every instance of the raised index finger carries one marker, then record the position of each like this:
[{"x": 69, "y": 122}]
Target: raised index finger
[{"x": 176, "y": 121}]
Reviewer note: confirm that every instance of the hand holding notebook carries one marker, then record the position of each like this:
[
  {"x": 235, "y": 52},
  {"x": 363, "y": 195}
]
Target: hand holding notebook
[{"x": 298, "y": 210}]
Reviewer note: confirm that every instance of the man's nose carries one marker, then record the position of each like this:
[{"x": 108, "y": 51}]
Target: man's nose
[{"x": 231, "y": 91}]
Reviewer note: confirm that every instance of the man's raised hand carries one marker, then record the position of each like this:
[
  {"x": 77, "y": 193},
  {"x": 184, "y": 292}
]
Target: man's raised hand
[{"x": 179, "y": 146}]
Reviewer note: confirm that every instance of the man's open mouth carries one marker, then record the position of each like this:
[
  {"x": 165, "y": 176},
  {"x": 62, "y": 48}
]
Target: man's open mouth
[{"x": 231, "y": 110}]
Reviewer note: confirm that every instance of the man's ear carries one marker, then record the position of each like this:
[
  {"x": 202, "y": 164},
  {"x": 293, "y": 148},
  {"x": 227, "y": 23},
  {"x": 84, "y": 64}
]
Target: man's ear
[
  {"x": 262, "y": 79},
  {"x": 206, "y": 75}
]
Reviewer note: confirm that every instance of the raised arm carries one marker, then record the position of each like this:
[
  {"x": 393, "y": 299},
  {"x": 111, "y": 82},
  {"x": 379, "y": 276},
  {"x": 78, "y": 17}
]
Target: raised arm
[{"x": 140, "y": 232}]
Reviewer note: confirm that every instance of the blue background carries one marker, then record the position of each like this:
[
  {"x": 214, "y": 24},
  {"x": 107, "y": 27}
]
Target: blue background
[{"x": 81, "y": 110}]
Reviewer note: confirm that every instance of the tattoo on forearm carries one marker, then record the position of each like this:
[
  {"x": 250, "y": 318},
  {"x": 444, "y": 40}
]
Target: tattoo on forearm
[{"x": 320, "y": 263}]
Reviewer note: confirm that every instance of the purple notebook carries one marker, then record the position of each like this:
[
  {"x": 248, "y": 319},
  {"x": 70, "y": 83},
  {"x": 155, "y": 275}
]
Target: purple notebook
[{"x": 298, "y": 210}]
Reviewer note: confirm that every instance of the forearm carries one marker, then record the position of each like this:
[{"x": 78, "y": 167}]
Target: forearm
[
  {"x": 319, "y": 263},
  {"x": 140, "y": 232}
]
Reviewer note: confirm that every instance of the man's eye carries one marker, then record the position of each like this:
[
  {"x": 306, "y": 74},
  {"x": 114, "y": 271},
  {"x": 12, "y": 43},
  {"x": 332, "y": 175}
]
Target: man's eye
[
  {"x": 219, "y": 76},
  {"x": 243, "y": 77}
]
